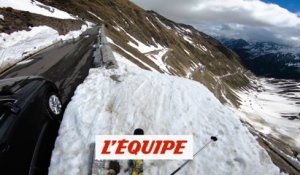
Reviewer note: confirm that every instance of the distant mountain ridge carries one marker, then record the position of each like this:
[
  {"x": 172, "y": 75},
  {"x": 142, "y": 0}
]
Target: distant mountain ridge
[{"x": 267, "y": 59}]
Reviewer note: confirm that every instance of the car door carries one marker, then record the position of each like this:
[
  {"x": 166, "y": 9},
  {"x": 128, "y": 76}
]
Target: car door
[{"x": 21, "y": 131}]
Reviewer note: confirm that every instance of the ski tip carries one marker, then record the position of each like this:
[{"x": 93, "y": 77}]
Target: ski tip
[
  {"x": 214, "y": 138},
  {"x": 138, "y": 131}
]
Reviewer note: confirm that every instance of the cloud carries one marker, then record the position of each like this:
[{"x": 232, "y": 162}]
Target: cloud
[{"x": 248, "y": 19}]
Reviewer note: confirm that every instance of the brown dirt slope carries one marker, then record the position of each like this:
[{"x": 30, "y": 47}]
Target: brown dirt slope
[{"x": 15, "y": 20}]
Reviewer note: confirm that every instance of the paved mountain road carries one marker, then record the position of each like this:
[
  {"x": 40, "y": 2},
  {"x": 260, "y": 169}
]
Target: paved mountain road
[{"x": 66, "y": 64}]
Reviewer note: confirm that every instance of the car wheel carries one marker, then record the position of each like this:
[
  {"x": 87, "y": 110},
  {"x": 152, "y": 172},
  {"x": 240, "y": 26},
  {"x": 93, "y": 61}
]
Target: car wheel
[{"x": 54, "y": 104}]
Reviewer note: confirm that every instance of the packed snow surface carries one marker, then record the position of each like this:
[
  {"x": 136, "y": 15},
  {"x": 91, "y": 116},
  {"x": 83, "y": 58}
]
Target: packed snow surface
[
  {"x": 117, "y": 101},
  {"x": 35, "y": 7}
]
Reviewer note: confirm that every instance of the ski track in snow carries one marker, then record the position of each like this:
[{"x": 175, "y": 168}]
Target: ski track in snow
[{"x": 119, "y": 100}]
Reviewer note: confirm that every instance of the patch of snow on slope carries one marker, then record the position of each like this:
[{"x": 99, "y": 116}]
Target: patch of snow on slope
[
  {"x": 130, "y": 54},
  {"x": 35, "y": 7},
  {"x": 20, "y": 44},
  {"x": 194, "y": 68},
  {"x": 171, "y": 105},
  {"x": 163, "y": 24},
  {"x": 1, "y": 17},
  {"x": 125, "y": 17},
  {"x": 152, "y": 24},
  {"x": 188, "y": 39},
  {"x": 203, "y": 48},
  {"x": 178, "y": 30},
  {"x": 157, "y": 58},
  {"x": 189, "y": 75},
  {"x": 95, "y": 15},
  {"x": 187, "y": 52},
  {"x": 183, "y": 30},
  {"x": 211, "y": 54},
  {"x": 117, "y": 28},
  {"x": 141, "y": 46},
  {"x": 186, "y": 30}
]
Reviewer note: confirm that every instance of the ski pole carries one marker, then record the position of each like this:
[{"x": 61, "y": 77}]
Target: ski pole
[{"x": 212, "y": 138}]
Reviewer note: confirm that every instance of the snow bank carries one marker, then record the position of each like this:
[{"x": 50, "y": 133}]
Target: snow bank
[
  {"x": 35, "y": 7},
  {"x": 120, "y": 100},
  {"x": 75, "y": 33},
  {"x": 17, "y": 45}
]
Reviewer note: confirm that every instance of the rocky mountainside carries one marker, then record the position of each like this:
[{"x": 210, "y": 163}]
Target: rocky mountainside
[
  {"x": 155, "y": 43},
  {"x": 267, "y": 59}
]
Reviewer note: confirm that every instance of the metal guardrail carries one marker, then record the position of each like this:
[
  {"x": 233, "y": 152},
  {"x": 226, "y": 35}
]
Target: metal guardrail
[{"x": 103, "y": 56}]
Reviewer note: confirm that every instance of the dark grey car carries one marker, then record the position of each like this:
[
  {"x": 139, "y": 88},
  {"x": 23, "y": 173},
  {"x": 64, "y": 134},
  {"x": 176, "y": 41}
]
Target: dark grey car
[{"x": 30, "y": 115}]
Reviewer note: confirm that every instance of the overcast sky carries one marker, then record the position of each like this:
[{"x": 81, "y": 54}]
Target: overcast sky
[{"x": 272, "y": 20}]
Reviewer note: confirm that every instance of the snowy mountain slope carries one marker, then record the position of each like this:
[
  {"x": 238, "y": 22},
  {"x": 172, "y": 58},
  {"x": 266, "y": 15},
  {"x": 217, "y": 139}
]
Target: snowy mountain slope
[
  {"x": 156, "y": 43},
  {"x": 267, "y": 59},
  {"x": 166, "y": 108}
]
